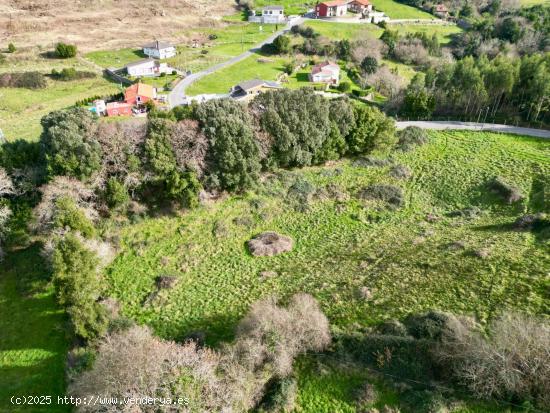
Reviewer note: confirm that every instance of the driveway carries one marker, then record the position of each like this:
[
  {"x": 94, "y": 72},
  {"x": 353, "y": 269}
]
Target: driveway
[
  {"x": 490, "y": 127},
  {"x": 177, "y": 97}
]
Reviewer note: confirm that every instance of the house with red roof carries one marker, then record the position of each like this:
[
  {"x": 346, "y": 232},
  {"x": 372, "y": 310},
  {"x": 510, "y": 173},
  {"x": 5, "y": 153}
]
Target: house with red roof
[
  {"x": 359, "y": 6},
  {"x": 331, "y": 8},
  {"x": 440, "y": 10},
  {"x": 118, "y": 109},
  {"x": 139, "y": 94},
  {"x": 326, "y": 72}
]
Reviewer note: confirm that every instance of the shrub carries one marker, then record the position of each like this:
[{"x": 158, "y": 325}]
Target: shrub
[
  {"x": 282, "y": 44},
  {"x": 70, "y": 73},
  {"x": 28, "y": 80},
  {"x": 400, "y": 172},
  {"x": 392, "y": 195},
  {"x": 116, "y": 194},
  {"x": 69, "y": 143},
  {"x": 147, "y": 365},
  {"x": 284, "y": 333},
  {"x": 369, "y": 65},
  {"x": 299, "y": 122},
  {"x": 11, "y": 48},
  {"x": 509, "y": 193},
  {"x": 280, "y": 396},
  {"x": 190, "y": 146},
  {"x": 344, "y": 87},
  {"x": 64, "y": 50},
  {"x": 234, "y": 154},
  {"x": 288, "y": 67},
  {"x": 511, "y": 363},
  {"x": 372, "y": 131},
  {"x": 68, "y": 215},
  {"x": 410, "y": 137},
  {"x": 78, "y": 286}
]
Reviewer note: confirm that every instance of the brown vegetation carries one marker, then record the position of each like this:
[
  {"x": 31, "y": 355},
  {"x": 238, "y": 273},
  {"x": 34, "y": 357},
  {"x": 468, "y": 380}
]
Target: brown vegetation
[
  {"x": 269, "y": 243},
  {"x": 104, "y": 24}
]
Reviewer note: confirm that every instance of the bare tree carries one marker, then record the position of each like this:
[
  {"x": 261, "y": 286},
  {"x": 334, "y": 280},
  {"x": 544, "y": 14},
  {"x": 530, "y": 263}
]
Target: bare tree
[
  {"x": 513, "y": 360},
  {"x": 190, "y": 146},
  {"x": 6, "y": 184},
  {"x": 62, "y": 186},
  {"x": 135, "y": 363},
  {"x": 386, "y": 82}
]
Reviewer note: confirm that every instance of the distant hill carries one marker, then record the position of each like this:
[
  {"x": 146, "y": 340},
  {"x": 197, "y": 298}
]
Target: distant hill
[{"x": 104, "y": 23}]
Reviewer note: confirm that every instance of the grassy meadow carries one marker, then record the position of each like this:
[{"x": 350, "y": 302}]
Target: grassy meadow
[
  {"x": 409, "y": 263},
  {"x": 33, "y": 344},
  {"x": 397, "y": 10}
]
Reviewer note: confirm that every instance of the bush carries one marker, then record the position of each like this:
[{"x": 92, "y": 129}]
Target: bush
[
  {"x": 369, "y": 65},
  {"x": 392, "y": 195},
  {"x": 78, "y": 286},
  {"x": 509, "y": 193},
  {"x": 511, "y": 363},
  {"x": 410, "y": 137},
  {"x": 280, "y": 396},
  {"x": 147, "y": 365},
  {"x": 68, "y": 215},
  {"x": 116, "y": 194},
  {"x": 69, "y": 143},
  {"x": 282, "y": 44},
  {"x": 373, "y": 131},
  {"x": 283, "y": 333},
  {"x": 234, "y": 154},
  {"x": 11, "y": 48},
  {"x": 70, "y": 73},
  {"x": 28, "y": 80},
  {"x": 65, "y": 51},
  {"x": 344, "y": 87}
]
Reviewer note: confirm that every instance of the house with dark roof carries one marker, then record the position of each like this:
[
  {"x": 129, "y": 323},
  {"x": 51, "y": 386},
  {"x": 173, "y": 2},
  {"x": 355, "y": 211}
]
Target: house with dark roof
[
  {"x": 159, "y": 50},
  {"x": 249, "y": 88}
]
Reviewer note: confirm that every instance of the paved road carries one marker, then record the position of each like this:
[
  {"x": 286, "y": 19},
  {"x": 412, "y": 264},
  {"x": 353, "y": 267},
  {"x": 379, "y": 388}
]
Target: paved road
[
  {"x": 491, "y": 127},
  {"x": 177, "y": 96}
]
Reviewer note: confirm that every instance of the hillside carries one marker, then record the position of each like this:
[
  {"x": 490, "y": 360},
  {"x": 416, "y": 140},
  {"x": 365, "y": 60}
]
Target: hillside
[{"x": 104, "y": 24}]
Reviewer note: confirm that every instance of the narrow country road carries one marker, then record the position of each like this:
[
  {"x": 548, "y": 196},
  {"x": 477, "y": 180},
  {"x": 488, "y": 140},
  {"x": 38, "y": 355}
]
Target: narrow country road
[
  {"x": 490, "y": 127},
  {"x": 177, "y": 95}
]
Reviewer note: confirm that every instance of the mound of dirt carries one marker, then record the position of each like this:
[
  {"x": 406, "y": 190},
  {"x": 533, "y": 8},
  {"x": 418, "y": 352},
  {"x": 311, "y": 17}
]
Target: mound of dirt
[
  {"x": 505, "y": 190},
  {"x": 392, "y": 195},
  {"x": 269, "y": 243},
  {"x": 166, "y": 282}
]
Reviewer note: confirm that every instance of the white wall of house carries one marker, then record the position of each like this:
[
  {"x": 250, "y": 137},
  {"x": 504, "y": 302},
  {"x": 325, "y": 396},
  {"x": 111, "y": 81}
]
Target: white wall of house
[
  {"x": 160, "y": 53},
  {"x": 147, "y": 69}
]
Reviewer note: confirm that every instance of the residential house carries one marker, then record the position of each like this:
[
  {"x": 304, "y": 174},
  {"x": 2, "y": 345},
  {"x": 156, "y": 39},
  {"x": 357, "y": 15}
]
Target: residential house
[
  {"x": 359, "y": 6},
  {"x": 326, "y": 72},
  {"x": 159, "y": 50},
  {"x": 331, "y": 8},
  {"x": 372, "y": 16},
  {"x": 248, "y": 89},
  {"x": 273, "y": 14},
  {"x": 139, "y": 94},
  {"x": 146, "y": 67},
  {"x": 118, "y": 109},
  {"x": 441, "y": 11}
]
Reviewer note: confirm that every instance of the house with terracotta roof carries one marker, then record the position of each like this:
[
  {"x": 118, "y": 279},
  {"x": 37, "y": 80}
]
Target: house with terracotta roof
[
  {"x": 440, "y": 10},
  {"x": 332, "y": 8},
  {"x": 118, "y": 109},
  {"x": 139, "y": 94},
  {"x": 159, "y": 50},
  {"x": 326, "y": 72},
  {"x": 359, "y": 6}
]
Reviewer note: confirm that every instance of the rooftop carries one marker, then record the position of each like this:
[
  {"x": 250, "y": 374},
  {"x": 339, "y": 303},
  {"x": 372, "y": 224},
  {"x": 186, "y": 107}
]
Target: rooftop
[
  {"x": 334, "y": 3},
  {"x": 158, "y": 45},
  {"x": 140, "y": 62},
  {"x": 272, "y": 8}
]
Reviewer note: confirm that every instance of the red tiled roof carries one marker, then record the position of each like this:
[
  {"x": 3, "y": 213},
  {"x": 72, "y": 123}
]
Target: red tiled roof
[
  {"x": 362, "y": 2},
  {"x": 320, "y": 66},
  {"x": 334, "y": 3},
  {"x": 139, "y": 89},
  {"x": 440, "y": 7}
]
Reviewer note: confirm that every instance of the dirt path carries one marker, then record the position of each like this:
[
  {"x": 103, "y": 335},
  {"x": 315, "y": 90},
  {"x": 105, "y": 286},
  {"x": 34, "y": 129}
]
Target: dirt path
[{"x": 490, "y": 127}]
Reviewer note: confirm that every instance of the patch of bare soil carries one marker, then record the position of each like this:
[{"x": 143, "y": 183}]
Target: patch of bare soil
[{"x": 105, "y": 24}]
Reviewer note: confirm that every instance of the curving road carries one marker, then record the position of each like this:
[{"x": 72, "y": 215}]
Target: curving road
[
  {"x": 490, "y": 127},
  {"x": 177, "y": 96}
]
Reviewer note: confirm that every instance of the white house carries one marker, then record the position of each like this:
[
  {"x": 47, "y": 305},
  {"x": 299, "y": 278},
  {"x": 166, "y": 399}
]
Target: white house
[
  {"x": 99, "y": 107},
  {"x": 270, "y": 15},
  {"x": 375, "y": 16},
  {"x": 146, "y": 67},
  {"x": 326, "y": 72},
  {"x": 159, "y": 50}
]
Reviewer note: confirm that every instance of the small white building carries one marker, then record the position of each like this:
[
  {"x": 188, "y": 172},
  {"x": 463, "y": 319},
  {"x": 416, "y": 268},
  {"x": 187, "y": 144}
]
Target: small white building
[
  {"x": 159, "y": 50},
  {"x": 270, "y": 15},
  {"x": 375, "y": 16},
  {"x": 99, "y": 107},
  {"x": 146, "y": 67},
  {"x": 326, "y": 72}
]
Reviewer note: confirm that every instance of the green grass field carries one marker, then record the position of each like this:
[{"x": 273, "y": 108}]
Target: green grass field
[
  {"x": 529, "y": 3},
  {"x": 400, "y": 11},
  {"x": 342, "y": 246},
  {"x": 32, "y": 344},
  {"x": 444, "y": 33},
  {"x": 22, "y": 109},
  {"x": 340, "y": 31}
]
